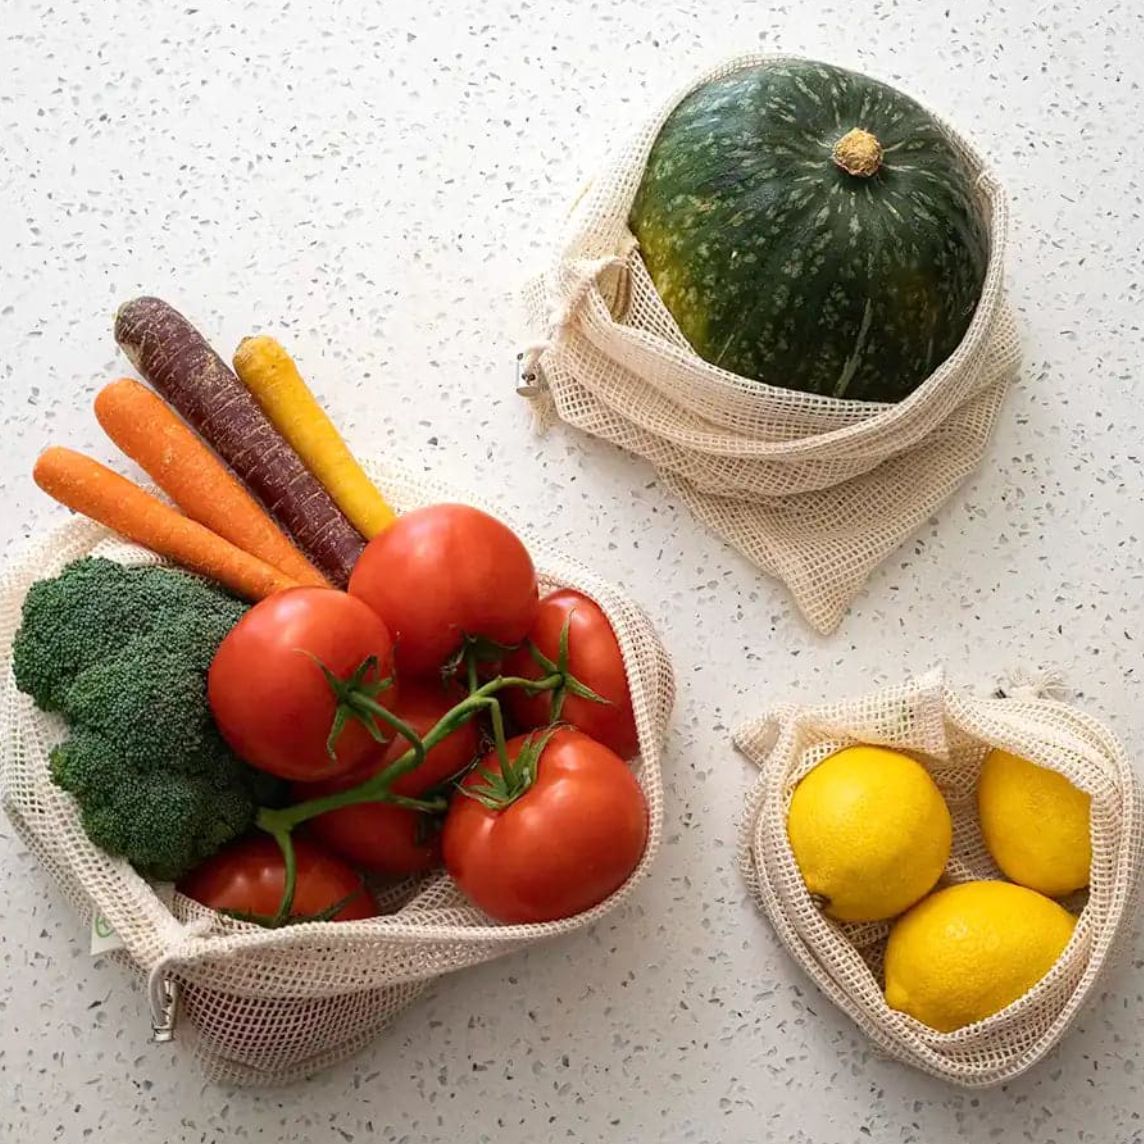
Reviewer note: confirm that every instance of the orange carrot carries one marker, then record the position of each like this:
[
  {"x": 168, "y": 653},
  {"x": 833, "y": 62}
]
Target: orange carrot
[
  {"x": 150, "y": 433},
  {"x": 95, "y": 491}
]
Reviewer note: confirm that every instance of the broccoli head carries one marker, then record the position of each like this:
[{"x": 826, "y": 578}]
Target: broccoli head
[
  {"x": 123, "y": 654},
  {"x": 150, "y": 696},
  {"x": 165, "y": 820},
  {"x": 92, "y": 610}
]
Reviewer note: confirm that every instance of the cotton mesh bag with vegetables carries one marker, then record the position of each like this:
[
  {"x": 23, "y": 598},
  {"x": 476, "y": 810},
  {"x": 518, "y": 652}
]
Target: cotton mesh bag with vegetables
[{"x": 331, "y": 715}]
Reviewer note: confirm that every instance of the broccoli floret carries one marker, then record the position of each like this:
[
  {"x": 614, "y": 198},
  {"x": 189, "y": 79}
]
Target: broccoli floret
[
  {"x": 123, "y": 653},
  {"x": 150, "y": 697},
  {"x": 166, "y": 821},
  {"x": 93, "y": 609}
]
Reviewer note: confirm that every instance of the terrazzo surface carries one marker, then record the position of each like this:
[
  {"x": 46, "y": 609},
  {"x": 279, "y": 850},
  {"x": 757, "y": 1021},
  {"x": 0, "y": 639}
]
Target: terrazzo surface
[{"x": 372, "y": 185}]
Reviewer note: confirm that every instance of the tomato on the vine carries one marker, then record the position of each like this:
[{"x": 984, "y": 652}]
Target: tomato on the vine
[
  {"x": 423, "y": 703},
  {"x": 249, "y": 877},
  {"x": 272, "y": 700},
  {"x": 379, "y": 836},
  {"x": 444, "y": 572},
  {"x": 594, "y": 662},
  {"x": 558, "y": 834}
]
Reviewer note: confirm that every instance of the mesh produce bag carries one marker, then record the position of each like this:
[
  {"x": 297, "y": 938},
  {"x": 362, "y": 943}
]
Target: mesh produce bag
[
  {"x": 950, "y": 733},
  {"x": 270, "y": 1006},
  {"x": 814, "y": 490}
]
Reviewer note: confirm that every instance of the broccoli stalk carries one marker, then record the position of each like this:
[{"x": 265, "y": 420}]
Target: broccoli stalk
[{"x": 123, "y": 654}]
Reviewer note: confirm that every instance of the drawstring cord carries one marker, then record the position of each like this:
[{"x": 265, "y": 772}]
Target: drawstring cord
[
  {"x": 1047, "y": 683},
  {"x": 562, "y": 316}
]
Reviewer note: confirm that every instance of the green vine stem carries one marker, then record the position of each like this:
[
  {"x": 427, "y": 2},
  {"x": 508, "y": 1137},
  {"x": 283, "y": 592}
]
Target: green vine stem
[
  {"x": 379, "y": 787},
  {"x": 356, "y": 699},
  {"x": 290, "y": 859},
  {"x": 368, "y": 710}
]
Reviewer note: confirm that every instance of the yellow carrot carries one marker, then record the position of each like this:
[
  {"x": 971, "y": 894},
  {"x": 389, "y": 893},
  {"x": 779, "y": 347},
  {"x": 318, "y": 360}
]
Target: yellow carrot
[
  {"x": 268, "y": 371},
  {"x": 149, "y": 432},
  {"x": 94, "y": 490}
]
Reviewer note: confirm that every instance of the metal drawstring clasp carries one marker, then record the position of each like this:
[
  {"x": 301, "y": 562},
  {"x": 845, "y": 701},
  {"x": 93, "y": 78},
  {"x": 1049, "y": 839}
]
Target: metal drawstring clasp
[
  {"x": 562, "y": 316},
  {"x": 162, "y": 992},
  {"x": 164, "y": 1013},
  {"x": 529, "y": 379}
]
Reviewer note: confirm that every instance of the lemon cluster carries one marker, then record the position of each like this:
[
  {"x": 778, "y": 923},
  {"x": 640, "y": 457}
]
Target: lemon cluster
[{"x": 871, "y": 834}]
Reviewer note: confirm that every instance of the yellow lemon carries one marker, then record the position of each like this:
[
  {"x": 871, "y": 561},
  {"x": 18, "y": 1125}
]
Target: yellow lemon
[
  {"x": 1035, "y": 824},
  {"x": 969, "y": 950},
  {"x": 870, "y": 833}
]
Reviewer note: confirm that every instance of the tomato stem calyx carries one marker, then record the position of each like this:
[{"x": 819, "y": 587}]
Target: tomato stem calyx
[
  {"x": 569, "y": 685},
  {"x": 498, "y": 791},
  {"x": 356, "y": 697},
  {"x": 475, "y": 650}
]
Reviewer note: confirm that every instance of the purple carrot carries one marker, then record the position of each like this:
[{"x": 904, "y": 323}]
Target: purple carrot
[{"x": 176, "y": 359}]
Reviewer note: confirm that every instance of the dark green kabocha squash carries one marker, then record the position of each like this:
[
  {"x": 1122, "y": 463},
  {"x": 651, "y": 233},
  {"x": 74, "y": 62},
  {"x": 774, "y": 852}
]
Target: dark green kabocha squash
[{"x": 812, "y": 228}]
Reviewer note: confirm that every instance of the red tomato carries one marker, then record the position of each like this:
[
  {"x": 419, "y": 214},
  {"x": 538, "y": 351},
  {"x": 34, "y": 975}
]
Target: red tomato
[
  {"x": 594, "y": 660},
  {"x": 377, "y": 835},
  {"x": 444, "y": 572},
  {"x": 380, "y": 837},
  {"x": 269, "y": 697},
  {"x": 563, "y": 846},
  {"x": 250, "y": 875}
]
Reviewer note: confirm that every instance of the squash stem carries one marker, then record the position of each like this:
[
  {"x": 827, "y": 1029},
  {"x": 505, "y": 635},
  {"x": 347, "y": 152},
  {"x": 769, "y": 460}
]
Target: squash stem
[{"x": 858, "y": 153}]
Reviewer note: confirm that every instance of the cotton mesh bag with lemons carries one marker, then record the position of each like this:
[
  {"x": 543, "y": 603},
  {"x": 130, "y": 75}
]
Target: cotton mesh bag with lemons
[
  {"x": 981, "y": 976},
  {"x": 871, "y": 834}
]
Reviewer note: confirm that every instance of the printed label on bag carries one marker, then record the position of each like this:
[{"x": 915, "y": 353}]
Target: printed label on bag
[{"x": 104, "y": 939}]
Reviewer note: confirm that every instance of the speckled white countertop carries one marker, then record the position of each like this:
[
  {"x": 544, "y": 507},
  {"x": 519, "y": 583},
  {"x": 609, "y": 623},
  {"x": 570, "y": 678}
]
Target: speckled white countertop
[{"x": 373, "y": 186}]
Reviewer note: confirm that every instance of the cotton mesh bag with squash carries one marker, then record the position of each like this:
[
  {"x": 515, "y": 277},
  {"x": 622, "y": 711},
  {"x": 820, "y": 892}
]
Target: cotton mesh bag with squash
[
  {"x": 953, "y": 871},
  {"x": 785, "y": 291}
]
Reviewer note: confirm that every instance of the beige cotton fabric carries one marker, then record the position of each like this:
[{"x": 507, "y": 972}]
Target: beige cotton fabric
[
  {"x": 267, "y": 1007},
  {"x": 813, "y": 490},
  {"x": 949, "y": 732}
]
